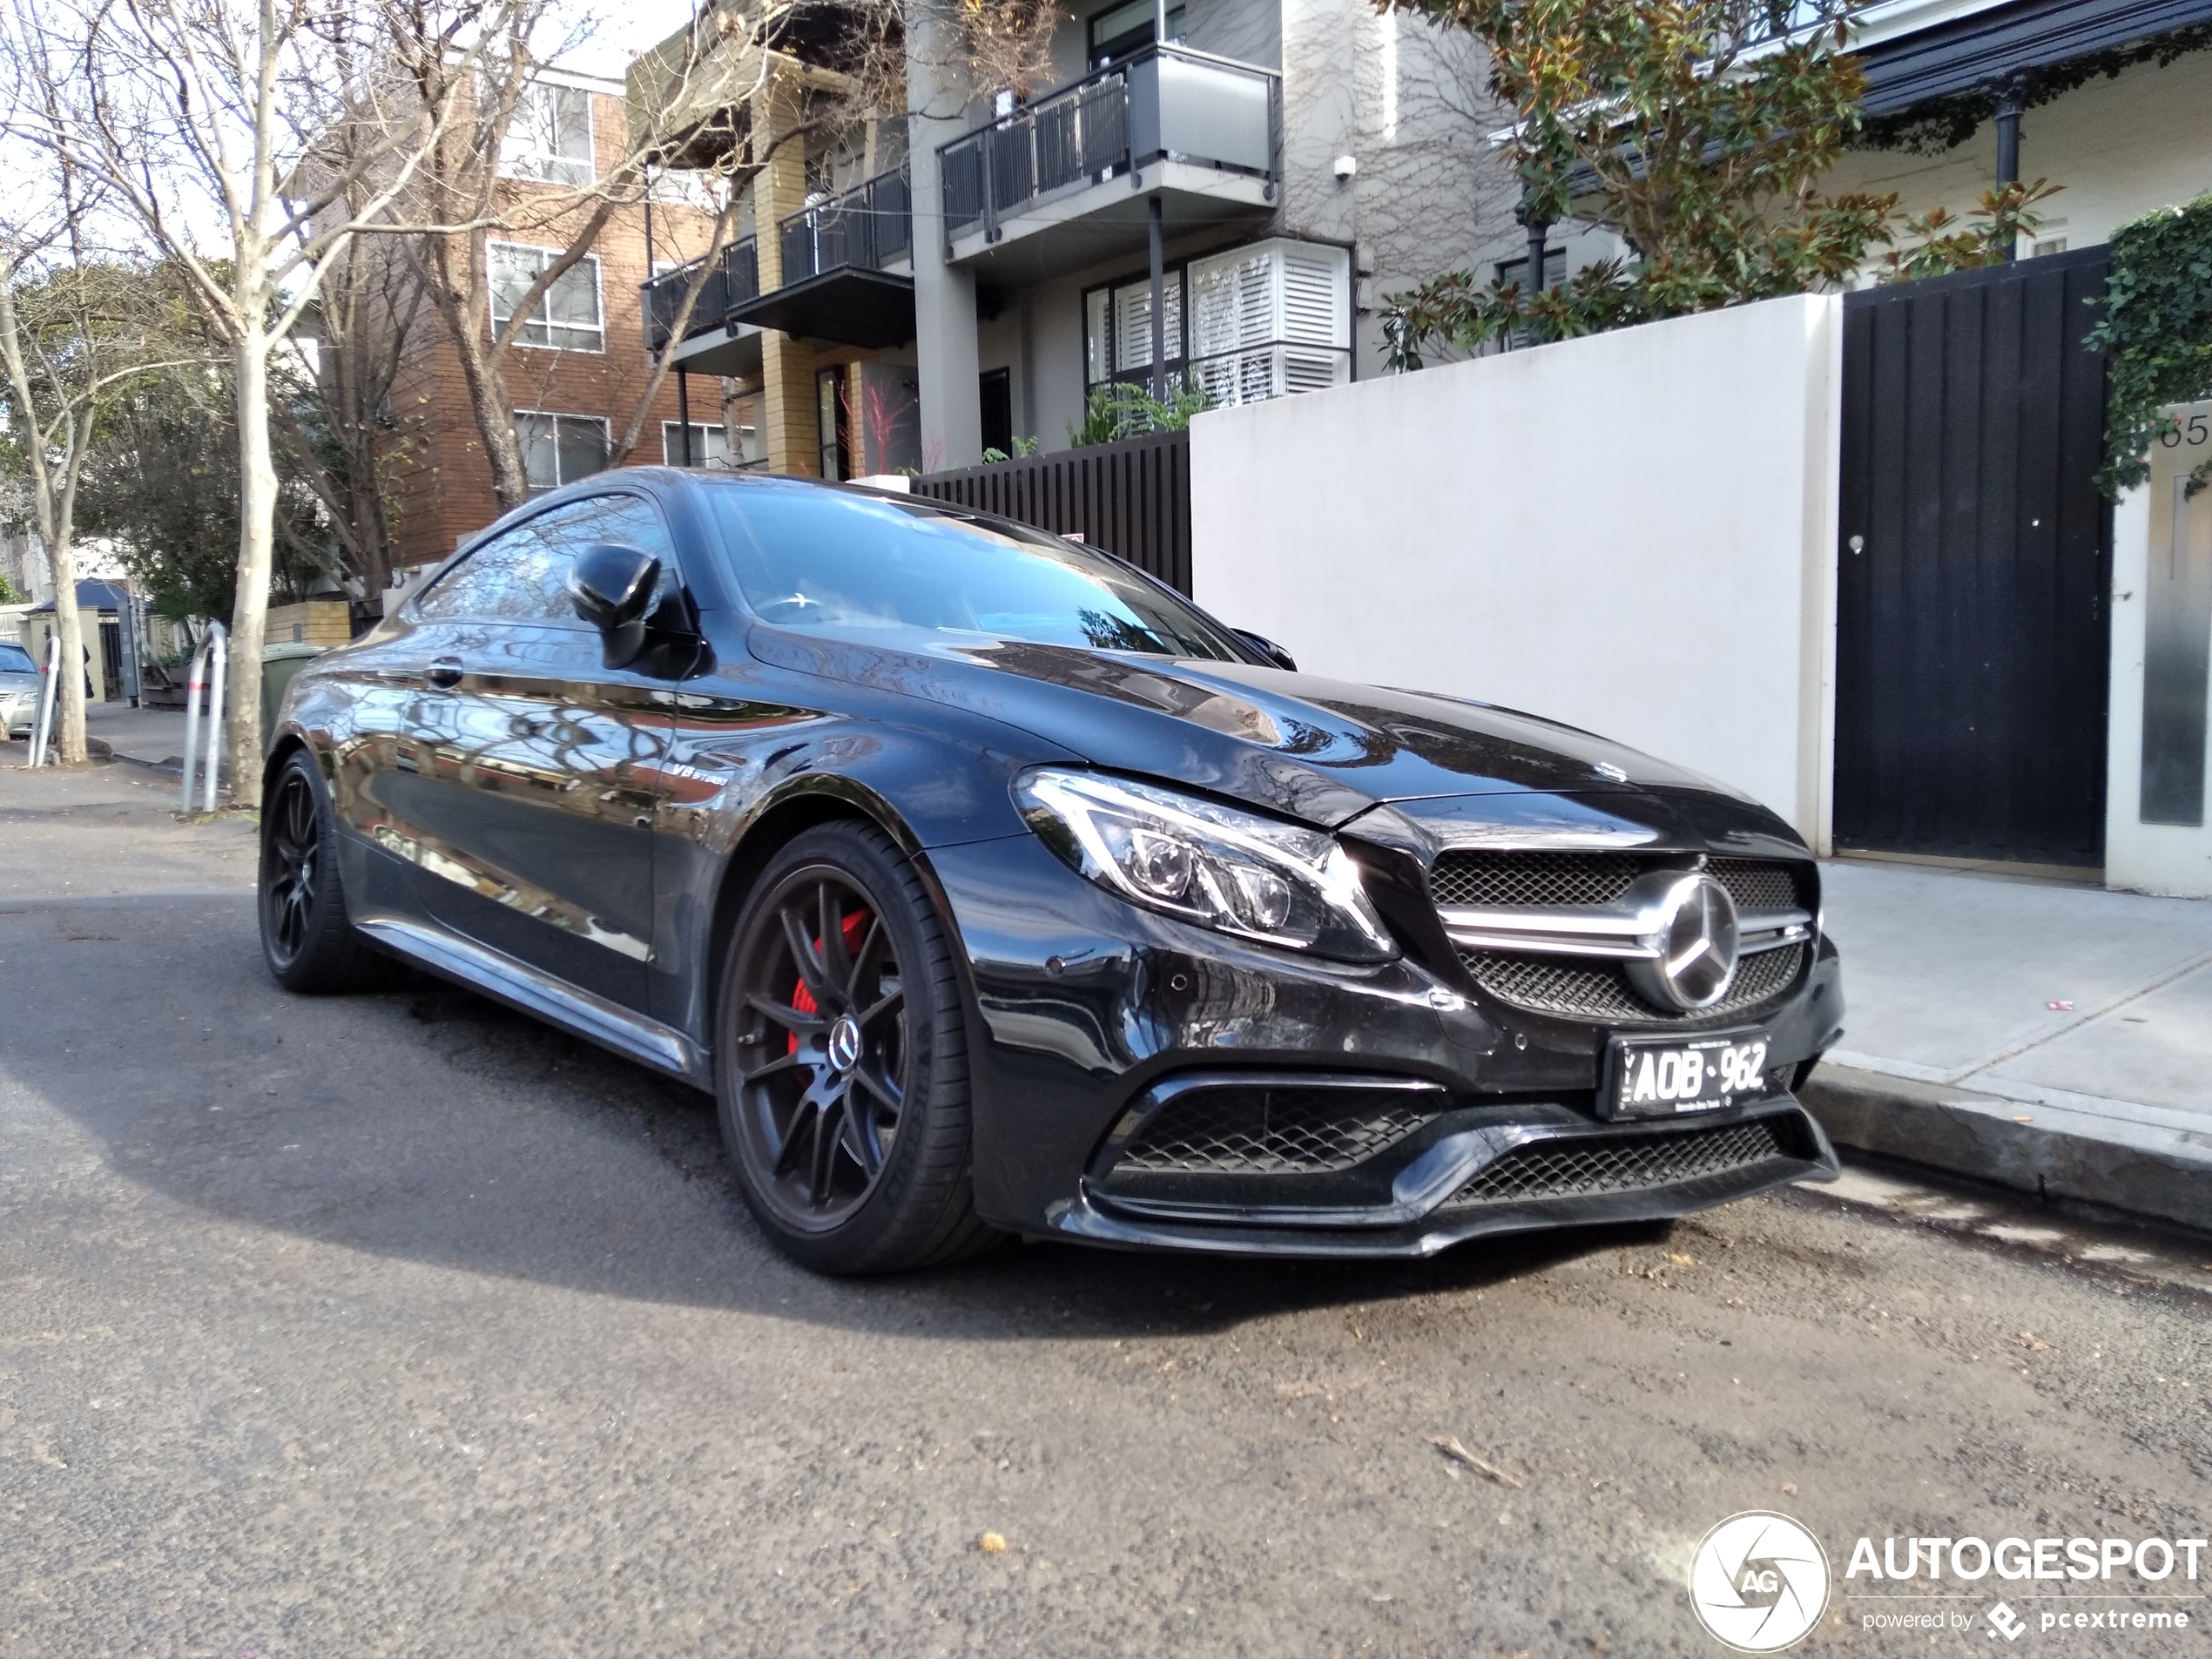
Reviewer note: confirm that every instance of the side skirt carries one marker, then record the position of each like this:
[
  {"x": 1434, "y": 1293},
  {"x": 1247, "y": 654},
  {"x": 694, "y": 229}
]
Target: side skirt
[{"x": 529, "y": 991}]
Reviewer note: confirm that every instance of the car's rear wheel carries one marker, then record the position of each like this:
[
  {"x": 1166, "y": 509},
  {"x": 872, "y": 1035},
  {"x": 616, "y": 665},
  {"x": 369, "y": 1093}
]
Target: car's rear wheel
[
  {"x": 841, "y": 1061},
  {"x": 307, "y": 935}
]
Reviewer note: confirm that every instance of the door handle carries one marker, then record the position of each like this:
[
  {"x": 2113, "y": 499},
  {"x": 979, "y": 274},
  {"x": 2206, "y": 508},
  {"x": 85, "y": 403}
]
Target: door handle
[{"x": 445, "y": 672}]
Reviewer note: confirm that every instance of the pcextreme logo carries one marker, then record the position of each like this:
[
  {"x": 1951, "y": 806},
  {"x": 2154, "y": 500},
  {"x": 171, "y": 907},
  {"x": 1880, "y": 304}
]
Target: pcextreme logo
[{"x": 1758, "y": 1582}]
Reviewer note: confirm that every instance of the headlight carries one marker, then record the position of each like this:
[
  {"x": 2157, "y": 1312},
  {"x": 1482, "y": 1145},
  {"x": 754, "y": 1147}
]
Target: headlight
[{"x": 1234, "y": 871}]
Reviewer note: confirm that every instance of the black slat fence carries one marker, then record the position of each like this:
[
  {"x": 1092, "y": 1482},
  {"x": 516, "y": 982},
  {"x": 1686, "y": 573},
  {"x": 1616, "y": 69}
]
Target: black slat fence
[{"x": 1132, "y": 498}]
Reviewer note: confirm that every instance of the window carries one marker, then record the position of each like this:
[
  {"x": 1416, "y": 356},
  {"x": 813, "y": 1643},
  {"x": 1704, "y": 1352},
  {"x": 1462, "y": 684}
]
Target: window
[
  {"x": 549, "y": 137},
  {"x": 560, "y": 448},
  {"x": 14, "y": 659},
  {"x": 523, "y": 574},
  {"x": 566, "y": 316},
  {"x": 908, "y": 573},
  {"x": 1117, "y": 328},
  {"x": 836, "y": 430},
  {"x": 1517, "y": 270},
  {"x": 1120, "y": 30},
  {"x": 709, "y": 444},
  {"x": 1257, "y": 322}
]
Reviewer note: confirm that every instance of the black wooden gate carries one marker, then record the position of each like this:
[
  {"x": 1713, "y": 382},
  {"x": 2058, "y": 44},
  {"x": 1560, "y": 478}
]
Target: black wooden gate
[
  {"x": 1971, "y": 622},
  {"x": 1132, "y": 498}
]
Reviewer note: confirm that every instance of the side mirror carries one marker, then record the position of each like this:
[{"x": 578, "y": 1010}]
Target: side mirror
[
  {"x": 612, "y": 589},
  {"x": 1267, "y": 648}
]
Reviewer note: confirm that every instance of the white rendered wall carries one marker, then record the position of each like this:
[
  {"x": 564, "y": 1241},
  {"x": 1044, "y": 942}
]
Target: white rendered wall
[
  {"x": 2170, "y": 858},
  {"x": 1633, "y": 533}
]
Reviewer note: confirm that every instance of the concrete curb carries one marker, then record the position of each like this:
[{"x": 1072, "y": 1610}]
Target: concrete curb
[{"x": 2164, "y": 1175}]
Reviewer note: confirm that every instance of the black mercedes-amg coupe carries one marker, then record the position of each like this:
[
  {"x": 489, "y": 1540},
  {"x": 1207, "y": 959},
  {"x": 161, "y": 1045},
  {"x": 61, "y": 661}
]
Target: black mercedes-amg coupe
[{"x": 993, "y": 887}]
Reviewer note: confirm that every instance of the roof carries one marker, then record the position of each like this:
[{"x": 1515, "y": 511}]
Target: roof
[{"x": 91, "y": 596}]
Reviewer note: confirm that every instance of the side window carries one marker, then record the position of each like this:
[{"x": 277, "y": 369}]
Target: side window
[
  {"x": 508, "y": 577},
  {"x": 523, "y": 576}
]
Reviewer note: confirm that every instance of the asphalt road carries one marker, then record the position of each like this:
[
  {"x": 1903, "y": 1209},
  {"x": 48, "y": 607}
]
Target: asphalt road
[{"x": 399, "y": 1325}]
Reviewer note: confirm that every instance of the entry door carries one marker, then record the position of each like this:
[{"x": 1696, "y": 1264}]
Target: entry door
[
  {"x": 1972, "y": 613},
  {"x": 538, "y": 793}
]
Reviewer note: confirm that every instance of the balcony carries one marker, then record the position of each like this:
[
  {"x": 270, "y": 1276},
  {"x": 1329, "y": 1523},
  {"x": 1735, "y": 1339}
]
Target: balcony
[
  {"x": 712, "y": 343},
  {"x": 847, "y": 265},
  {"x": 1065, "y": 181}
]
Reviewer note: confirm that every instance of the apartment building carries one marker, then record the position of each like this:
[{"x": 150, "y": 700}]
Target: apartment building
[
  {"x": 1215, "y": 189},
  {"x": 578, "y": 370}
]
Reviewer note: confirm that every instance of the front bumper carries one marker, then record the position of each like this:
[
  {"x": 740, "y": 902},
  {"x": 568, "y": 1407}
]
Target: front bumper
[{"x": 1088, "y": 1013}]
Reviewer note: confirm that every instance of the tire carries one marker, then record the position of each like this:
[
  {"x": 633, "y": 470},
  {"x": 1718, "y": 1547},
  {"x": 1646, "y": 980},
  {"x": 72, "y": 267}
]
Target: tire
[
  {"x": 308, "y": 936},
  {"x": 841, "y": 1061}
]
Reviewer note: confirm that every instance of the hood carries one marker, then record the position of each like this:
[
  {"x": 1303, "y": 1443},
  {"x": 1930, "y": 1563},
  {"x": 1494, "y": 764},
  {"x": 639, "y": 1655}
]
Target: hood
[{"x": 1321, "y": 749}]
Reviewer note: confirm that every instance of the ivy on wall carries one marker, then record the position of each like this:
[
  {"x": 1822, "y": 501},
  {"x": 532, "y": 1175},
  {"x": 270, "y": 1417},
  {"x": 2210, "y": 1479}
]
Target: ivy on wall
[{"x": 2157, "y": 330}]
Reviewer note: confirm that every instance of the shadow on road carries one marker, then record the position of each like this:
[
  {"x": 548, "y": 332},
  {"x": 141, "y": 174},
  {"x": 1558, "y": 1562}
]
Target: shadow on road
[{"x": 429, "y": 1125}]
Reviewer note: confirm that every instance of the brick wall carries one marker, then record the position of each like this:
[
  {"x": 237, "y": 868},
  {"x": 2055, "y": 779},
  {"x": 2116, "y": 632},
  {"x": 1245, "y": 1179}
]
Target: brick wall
[{"x": 445, "y": 480}]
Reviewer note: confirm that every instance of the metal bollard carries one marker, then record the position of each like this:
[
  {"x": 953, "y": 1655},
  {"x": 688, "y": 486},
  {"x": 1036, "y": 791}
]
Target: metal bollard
[
  {"x": 194, "y": 685},
  {"x": 218, "y": 642},
  {"x": 42, "y": 731}
]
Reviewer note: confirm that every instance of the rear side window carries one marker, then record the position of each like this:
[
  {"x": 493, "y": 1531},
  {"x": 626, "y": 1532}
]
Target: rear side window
[{"x": 522, "y": 575}]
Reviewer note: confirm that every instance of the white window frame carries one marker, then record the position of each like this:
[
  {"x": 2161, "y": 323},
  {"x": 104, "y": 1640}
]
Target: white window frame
[
  {"x": 671, "y": 451},
  {"x": 547, "y": 255},
  {"x": 606, "y": 443},
  {"x": 548, "y": 167}
]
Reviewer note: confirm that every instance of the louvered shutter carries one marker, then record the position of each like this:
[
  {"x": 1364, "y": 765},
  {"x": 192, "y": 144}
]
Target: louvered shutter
[{"x": 1270, "y": 318}]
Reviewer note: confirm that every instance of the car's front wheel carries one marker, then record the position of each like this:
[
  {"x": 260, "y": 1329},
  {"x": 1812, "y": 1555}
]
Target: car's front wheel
[
  {"x": 307, "y": 934},
  {"x": 841, "y": 1061}
]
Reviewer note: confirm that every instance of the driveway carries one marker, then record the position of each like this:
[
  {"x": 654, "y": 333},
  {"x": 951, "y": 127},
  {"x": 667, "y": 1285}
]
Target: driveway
[{"x": 397, "y": 1323}]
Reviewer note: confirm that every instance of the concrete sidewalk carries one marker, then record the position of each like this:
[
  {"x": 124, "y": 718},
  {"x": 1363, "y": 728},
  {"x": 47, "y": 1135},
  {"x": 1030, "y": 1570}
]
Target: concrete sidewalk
[{"x": 2046, "y": 1037}]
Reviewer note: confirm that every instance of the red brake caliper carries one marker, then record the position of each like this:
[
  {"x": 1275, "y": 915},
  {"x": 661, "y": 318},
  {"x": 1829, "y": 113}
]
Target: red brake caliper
[{"x": 855, "y": 929}]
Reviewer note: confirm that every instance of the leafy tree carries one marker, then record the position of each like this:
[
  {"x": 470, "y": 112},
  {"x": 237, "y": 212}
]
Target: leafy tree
[
  {"x": 161, "y": 480},
  {"x": 1702, "y": 129}
]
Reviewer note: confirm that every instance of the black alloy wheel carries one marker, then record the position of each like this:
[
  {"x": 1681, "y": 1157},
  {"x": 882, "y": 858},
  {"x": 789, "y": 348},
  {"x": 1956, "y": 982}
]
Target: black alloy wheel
[
  {"x": 841, "y": 1060},
  {"x": 289, "y": 866},
  {"x": 823, "y": 1051},
  {"x": 307, "y": 934}
]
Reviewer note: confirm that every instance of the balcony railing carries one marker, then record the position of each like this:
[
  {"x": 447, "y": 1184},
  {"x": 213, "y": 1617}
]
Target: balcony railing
[
  {"x": 735, "y": 279},
  {"x": 869, "y": 226},
  {"x": 1165, "y": 103}
]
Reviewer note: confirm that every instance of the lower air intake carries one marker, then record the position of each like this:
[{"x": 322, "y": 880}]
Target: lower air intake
[
  {"x": 1273, "y": 1131},
  {"x": 1592, "y": 1165}
]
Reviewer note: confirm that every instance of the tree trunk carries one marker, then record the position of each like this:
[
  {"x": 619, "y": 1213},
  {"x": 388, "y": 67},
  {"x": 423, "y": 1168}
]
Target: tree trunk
[
  {"x": 69, "y": 624},
  {"x": 257, "y": 489},
  {"x": 495, "y": 414}
]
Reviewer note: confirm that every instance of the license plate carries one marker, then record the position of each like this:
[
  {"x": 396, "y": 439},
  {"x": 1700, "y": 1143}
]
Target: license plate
[{"x": 1660, "y": 1077}]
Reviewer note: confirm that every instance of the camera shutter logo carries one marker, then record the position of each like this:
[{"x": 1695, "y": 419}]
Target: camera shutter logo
[{"x": 1758, "y": 1582}]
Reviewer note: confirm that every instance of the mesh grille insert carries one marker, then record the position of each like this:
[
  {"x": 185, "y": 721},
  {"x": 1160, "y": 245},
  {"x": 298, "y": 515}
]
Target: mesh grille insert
[
  {"x": 1585, "y": 989},
  {"x": 1758, "y": 884},
  {"x": 1531, "y": 877},
  {"x": 1596, "y": 1165},
  {"x": 1475, "y": 878},
  {"x": 1247, "y": 1130}
]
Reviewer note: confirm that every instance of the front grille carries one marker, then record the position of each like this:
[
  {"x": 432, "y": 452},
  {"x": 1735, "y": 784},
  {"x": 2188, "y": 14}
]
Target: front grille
[
  {"x": 1531, "y": 878},
  {"x": 1259, "y": 1130},
  {"x": 1758, "y": 884},
  {"x": 1592, "y": 1165},
  {"x": 1487, "y": 878},
  {"x": 1581, "y": 988}
]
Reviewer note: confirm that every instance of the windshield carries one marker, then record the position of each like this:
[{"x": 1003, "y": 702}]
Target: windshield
[
  {"x": 862, "y": 566},
  {"x": 14, "y": 659}
]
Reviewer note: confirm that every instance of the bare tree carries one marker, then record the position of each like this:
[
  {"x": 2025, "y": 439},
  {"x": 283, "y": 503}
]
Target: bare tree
[
  {"x": 77, "y": 327},
  {"x": 840, "y": 58},
  {"x": 254, "y": 140}
]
